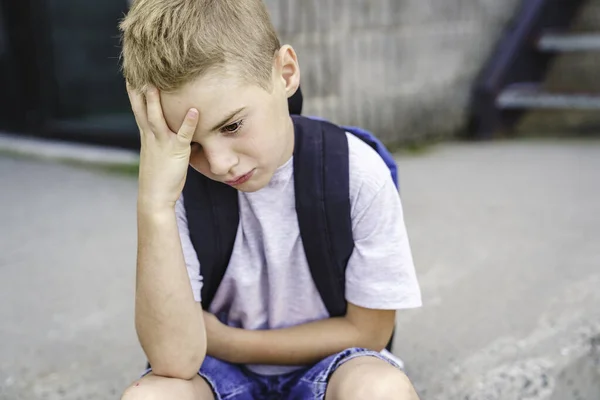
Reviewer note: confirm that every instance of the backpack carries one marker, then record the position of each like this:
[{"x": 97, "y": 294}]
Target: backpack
[{"x": 321, "y": 180}]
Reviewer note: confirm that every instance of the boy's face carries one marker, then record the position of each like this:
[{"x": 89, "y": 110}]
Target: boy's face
[{"x": 244, "y": 132}]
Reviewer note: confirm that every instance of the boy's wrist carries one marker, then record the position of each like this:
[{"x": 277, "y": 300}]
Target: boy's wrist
[
  {"x": 223, "y": 345},
  {"x": 230, "y": 347},
  {"x": 150, "y": 206}
]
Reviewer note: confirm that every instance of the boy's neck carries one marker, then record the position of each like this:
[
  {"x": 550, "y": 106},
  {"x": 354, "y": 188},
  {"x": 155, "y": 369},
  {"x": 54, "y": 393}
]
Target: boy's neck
[{"x": 289, "y": 138}]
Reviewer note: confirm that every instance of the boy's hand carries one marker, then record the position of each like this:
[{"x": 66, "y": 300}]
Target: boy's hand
[{"x": 164, "y": 155}]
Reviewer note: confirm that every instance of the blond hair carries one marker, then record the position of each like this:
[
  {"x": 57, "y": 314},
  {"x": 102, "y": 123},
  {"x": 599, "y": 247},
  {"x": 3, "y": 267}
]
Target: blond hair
[{"x": 169, "y": 43}]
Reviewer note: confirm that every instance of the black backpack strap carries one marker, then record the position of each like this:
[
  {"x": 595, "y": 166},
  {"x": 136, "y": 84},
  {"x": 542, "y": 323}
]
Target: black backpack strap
[
  {"x": 213, "y": 217},
  {"x": 321, "y": 179}
]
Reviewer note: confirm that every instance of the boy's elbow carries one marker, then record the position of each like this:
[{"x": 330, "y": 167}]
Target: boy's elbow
[
  {"x": 376, "y": 341},
  {"x": 180, "y": 369},
  {"x": 183, "y": 366},
  {"x": 376, "y": 338},
  {"x": 374, "y": 326},
  {"x": 382, "y": 340}
]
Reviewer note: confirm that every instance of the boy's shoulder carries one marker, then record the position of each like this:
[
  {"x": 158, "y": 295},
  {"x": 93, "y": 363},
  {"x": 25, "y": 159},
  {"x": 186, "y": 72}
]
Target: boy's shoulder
[{"x": 368, "y": 172}]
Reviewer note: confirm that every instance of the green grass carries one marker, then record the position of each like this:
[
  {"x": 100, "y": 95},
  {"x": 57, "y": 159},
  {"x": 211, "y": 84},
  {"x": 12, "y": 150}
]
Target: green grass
[{"x": 116, "y": 169}]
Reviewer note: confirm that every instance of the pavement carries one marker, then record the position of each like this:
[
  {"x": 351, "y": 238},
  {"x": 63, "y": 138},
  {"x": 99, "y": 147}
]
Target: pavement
[{"x": 505, "y": 235}]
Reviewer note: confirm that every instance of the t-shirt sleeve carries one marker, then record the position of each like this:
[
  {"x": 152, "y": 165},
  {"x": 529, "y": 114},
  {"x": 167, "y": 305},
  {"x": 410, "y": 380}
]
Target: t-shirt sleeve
[
  {"x": 189, "y": 253},
  {"x": 380, "y": 273}
]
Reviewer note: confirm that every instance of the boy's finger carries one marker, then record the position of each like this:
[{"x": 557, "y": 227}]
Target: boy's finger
[
  {"x": 139, "y": 109},
  {"x": 155, "y": 114},
  {"x": 188, "y": 128}
]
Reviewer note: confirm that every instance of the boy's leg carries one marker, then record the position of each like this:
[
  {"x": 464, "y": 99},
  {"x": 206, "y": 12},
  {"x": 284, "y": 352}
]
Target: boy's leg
[
  {"x": 354, "y": 374},
  {"x": 216, "y": 380}
]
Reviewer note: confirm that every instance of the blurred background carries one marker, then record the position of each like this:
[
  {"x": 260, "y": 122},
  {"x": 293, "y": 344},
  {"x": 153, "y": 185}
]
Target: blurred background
[{"x": 491, "y": 107}]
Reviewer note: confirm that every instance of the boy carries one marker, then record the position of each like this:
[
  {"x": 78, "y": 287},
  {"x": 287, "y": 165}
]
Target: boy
[{"x": 208, "y": 82}]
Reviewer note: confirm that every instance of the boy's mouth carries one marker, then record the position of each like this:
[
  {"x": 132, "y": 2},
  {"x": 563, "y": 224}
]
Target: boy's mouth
[{"x": 241, "y": 179}]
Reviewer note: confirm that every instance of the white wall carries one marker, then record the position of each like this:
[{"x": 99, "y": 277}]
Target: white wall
[{"x": 403, "y": 68}]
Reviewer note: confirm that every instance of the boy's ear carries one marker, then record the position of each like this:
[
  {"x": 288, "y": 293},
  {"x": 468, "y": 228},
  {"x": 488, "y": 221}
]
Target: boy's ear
[{"x": 288, "y": 69}]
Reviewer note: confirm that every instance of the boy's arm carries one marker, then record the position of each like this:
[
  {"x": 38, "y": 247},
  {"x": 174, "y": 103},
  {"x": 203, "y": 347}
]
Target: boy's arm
[
  {"x": 168, "y": 321},
  {"x": 303, "y": 344}
]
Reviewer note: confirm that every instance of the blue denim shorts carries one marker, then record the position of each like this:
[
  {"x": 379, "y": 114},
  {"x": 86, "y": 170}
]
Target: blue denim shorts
[{"x": 235, "y": 382}]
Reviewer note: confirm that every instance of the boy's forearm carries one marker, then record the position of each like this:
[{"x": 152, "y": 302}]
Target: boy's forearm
[
  {"x": 299, "y": 345},
  {"x": 168, "y": 321}
]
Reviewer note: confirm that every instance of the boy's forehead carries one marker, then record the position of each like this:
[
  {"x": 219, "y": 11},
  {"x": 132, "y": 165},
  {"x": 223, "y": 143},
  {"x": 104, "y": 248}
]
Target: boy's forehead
[{"x": 213, "y": 98}]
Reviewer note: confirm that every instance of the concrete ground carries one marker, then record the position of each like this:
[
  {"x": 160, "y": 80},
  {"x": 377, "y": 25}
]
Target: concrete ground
[{"x": 506, "y": 238}]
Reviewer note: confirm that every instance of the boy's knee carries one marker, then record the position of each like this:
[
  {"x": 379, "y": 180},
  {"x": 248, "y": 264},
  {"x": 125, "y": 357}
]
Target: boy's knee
[
  {"x": 375, "y": 381},
  {"x": 390, "y": 386},
  {"x": 158, "y": 388},
  {"x": 141, "y": 393}
]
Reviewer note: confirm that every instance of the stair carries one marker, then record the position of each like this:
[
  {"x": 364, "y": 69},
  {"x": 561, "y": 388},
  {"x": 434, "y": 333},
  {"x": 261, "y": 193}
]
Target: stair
[
  {"x": 531, "y": 96},
  {"x": 565, "y": 43},
  {"x": 513, "y": 83}
]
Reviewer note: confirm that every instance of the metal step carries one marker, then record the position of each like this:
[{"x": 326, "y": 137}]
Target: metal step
[
  {"x": 530, "y": 96},
  {"x": 569, "y": 42}
]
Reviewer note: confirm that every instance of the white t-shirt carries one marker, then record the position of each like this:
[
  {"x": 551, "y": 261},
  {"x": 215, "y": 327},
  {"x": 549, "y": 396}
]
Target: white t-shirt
[{"x": 268, "y": 284}]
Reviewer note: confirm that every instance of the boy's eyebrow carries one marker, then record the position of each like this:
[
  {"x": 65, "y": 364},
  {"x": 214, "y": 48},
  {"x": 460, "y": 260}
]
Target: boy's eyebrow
[{"x": 225, "y": 120}]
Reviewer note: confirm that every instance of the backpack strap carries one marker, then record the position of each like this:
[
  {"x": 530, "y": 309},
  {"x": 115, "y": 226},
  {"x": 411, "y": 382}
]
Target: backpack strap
[
  {"x": 378, "y": 146},
  {"x": 326, "y": 227},
  {"x": 375, "y": 144},
  {"x": 321, "y": 179},
  {"x": 213, "y": 217}
]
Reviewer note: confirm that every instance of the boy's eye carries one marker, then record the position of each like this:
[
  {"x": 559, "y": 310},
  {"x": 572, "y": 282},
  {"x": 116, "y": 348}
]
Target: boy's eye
[{"x": 232, "y": 128}]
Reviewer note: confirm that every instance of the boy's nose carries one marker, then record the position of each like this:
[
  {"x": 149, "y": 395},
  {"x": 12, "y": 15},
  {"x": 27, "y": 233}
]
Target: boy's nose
[{"x": 221, "y": 162}]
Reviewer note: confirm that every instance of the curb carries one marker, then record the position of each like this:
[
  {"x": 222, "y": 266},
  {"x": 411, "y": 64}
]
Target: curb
[{"x": 66, "y": 151}]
